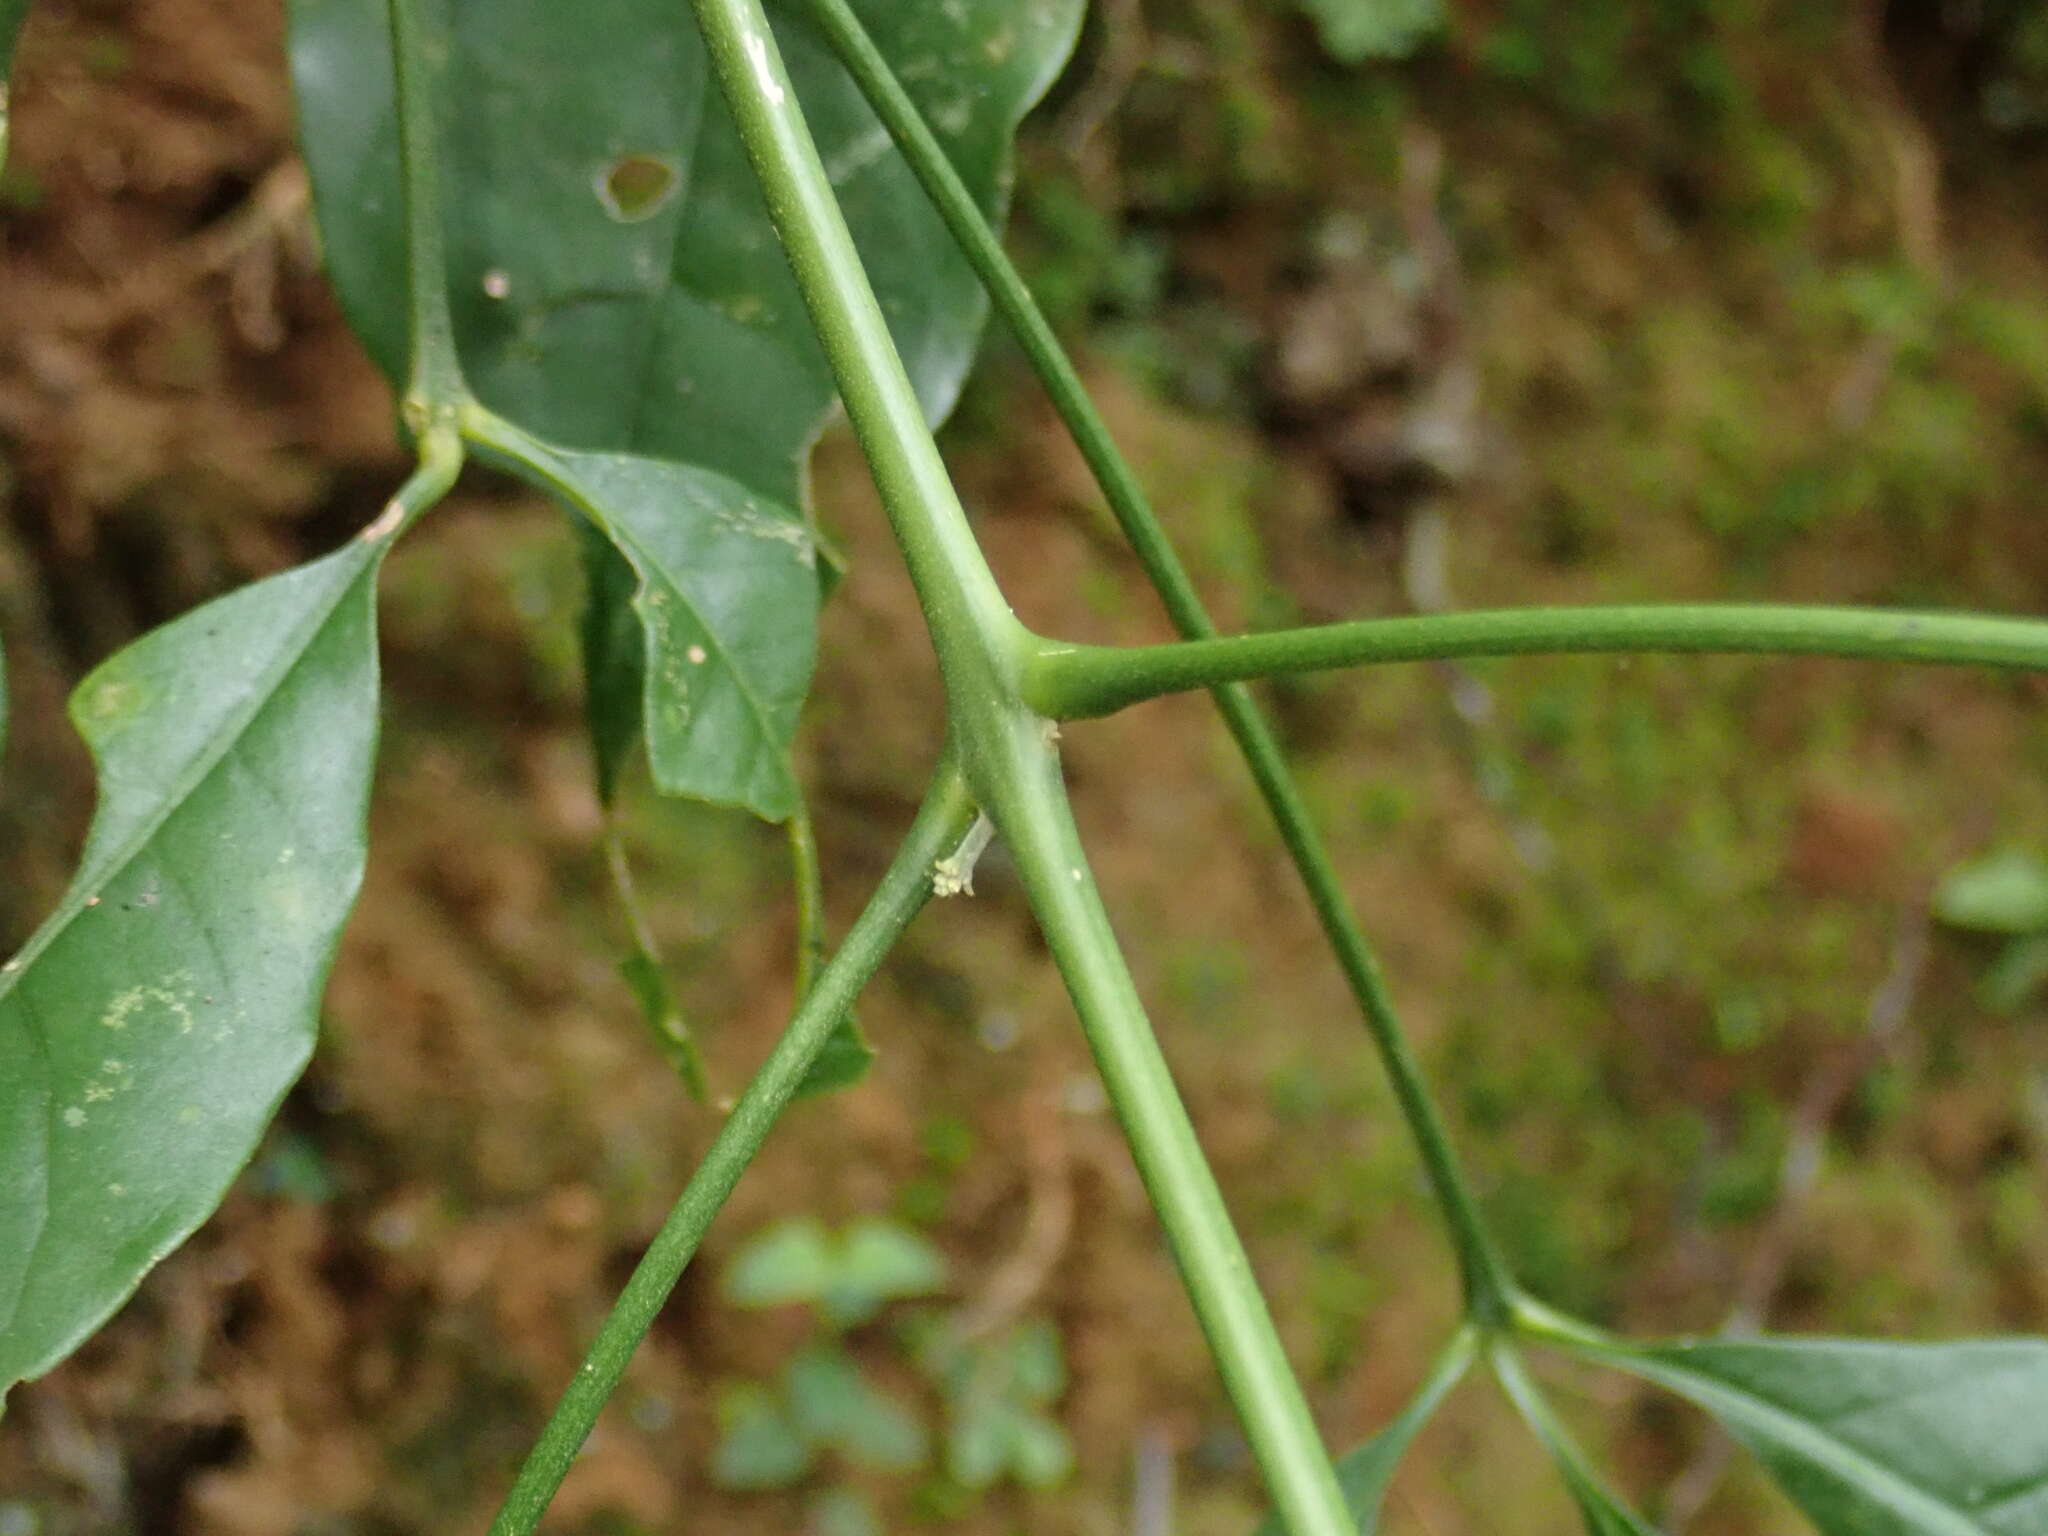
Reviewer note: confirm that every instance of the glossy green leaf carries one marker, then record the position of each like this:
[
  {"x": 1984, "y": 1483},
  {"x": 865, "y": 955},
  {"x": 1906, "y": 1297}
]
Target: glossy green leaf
[
  {"x": 2003, "y": 892},
  {"x": 1878, "y": 1439},
  {"x": 150, "y": 1027},
  {"x": 727, "y": 600},
  {"x": 1366, "y": 1473},
  {"x": 617, "y": 284}
]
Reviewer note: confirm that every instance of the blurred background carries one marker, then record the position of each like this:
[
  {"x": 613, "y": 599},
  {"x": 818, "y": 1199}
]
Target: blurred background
[{"x": 1728, "y": 972}]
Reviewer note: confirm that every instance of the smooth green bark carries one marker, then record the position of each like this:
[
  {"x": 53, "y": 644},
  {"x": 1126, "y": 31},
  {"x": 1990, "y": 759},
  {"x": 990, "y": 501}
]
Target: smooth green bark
[
  {"x": 947, "y": 813},
  {"x": 1488, "y": 1286},
  {"x": 1007, "y": 755},
  {"x": 1078, "y": 681}
]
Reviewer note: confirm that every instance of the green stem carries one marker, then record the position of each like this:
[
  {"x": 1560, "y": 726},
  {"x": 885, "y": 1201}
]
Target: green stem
[
  {"x": 647, "y": 975},
  {"x": 441, "y": 456},
  {"x": 1076, "y": 681},
  {"x": 1006, "y": 754},
  {"x": 947, "y": 812},
  {"x": 1603, "y": 1509},
  {"x": 977, "y": 637},
  {"x": 435, "y": 386},
  {"x": 1486, "y": 1280},
  {"x": 1030, "y": 810},
  {"x": 809, "y": 881}
]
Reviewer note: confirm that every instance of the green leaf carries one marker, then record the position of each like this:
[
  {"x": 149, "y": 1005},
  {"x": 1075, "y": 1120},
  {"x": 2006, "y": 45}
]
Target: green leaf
[
  {"x": 758, "y": 1447},
  {"x": 1877, "y": 1439},
  {"x": 792, "y": 1263},
  {"x": 2003, "y": 892},
  {"x": 150, "y": 1027},
  {"x": 1041, "y": 1454},
  {"x": 978, "y": 1440},
  {"x": 833, "y": 1405},
  {"x": 1038, "y": 1365},
  {"x": 2016, "y": 975},
  {"x": 1366, "y": 1473},
  {"x": 648, "y": 982},
  {"x": 614, "y": 657},
  {"x": 617, "y": 283},
  {"x": 841, "y": 1512},
  {"x": 880, "y": 1261},
  {"x": 1355, "y": 31},
  {"x": 841, "y": 1062},
  {"x": 727, "y": 600}
]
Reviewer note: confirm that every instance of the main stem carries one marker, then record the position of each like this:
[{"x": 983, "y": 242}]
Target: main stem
[
  {"x": 1073, "y": 681},
  {"x": 435, "y": 387},
  {"x": 1488, "y": 1287},
  {"x": 947, "y": 813},
  {"x": 1008, "y": 758}
]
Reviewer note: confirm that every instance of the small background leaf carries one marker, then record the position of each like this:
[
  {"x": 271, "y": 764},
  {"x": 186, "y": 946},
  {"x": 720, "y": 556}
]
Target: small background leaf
[
  {"x": 153, "y": 1023},
  {"x": 794, "y": 1262},
  {"x": 1354, "y": 31},
  {"x": 834, "y": 1406},
  {"x": 879, "y": 1262},
  {"x": 758, "y": 1447},
  {"x": 2003, "y": 892}
]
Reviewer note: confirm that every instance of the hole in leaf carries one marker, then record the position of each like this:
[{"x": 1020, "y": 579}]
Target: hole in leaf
[{"x": 636, "y": 187}]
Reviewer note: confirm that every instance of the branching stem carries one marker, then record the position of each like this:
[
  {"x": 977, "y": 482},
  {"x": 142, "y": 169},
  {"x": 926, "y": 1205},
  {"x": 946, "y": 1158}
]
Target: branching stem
[
  {"x": 1074, "y": 681},
  {"x": 1008, "y": 759},
  {"x": 947, "y": 813},
  {"x": 1487, "y": 1284}
]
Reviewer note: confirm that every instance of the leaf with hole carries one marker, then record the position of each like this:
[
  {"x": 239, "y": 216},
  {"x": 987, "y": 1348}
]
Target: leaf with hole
[
  {"x": 152, "y": 1024},
  {"x": 617, "y": 284}
]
